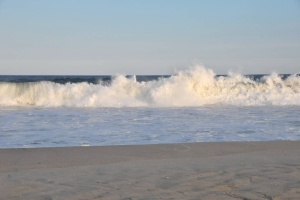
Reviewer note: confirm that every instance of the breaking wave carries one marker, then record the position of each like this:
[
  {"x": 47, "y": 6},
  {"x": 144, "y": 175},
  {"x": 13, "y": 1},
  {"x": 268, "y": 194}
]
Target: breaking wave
[{"x": 197, "y": 86}]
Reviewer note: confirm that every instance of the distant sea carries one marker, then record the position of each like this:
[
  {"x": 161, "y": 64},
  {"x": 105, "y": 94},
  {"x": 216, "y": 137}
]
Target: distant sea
[{"x": 194, "y": 105}]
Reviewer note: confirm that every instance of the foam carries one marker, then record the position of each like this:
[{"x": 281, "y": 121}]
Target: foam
[{"x": 197, "y": 86}]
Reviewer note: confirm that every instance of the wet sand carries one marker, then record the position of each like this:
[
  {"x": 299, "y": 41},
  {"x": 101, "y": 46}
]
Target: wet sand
[{"x": 225, "y": 170}]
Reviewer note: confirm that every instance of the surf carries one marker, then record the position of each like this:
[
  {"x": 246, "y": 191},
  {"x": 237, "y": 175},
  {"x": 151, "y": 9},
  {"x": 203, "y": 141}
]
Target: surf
[{"x": 197, "y": 86}]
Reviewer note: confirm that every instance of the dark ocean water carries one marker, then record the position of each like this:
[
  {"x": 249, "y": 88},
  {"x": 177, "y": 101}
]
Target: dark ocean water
[{"x": 63, "y": 79}]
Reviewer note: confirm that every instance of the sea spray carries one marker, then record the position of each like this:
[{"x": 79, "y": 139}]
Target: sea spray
[{"x": 196, "y": 86}]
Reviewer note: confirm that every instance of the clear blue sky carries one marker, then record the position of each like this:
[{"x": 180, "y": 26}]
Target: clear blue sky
[{"x": 148, "y": 37}]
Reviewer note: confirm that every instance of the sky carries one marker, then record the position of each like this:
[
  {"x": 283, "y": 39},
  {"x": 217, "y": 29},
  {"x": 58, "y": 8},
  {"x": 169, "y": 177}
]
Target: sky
[{"x": 108, "y": 37}]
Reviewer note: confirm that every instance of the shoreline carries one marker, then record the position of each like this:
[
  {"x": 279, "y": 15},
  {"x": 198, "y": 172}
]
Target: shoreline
[{"x": 208, "y": 170}]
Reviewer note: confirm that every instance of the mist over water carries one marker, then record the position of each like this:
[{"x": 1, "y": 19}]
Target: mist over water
[{"x": 197, "y": 86}]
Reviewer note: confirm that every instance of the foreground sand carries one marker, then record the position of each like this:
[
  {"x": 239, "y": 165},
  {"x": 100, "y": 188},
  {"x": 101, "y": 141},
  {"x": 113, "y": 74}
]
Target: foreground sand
[{"x": 242, "y": 170}]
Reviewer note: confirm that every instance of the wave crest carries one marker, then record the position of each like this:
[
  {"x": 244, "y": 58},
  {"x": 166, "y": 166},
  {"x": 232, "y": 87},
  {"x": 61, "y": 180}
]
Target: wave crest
[{"x": 197, "y": 86}]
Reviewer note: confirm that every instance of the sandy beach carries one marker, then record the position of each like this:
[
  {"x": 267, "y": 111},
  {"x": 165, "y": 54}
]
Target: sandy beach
[{"x": 225, "y": 170}]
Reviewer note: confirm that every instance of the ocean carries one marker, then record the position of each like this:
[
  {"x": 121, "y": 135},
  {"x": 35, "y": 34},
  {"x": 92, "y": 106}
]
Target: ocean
[{"x": 193, "y": 105}]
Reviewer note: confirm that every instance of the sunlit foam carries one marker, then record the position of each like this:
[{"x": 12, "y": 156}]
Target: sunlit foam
[{"x": 197, "y": 86}]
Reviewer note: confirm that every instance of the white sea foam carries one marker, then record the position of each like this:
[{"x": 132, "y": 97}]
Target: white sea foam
[{"x": 194, "y": 87}]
